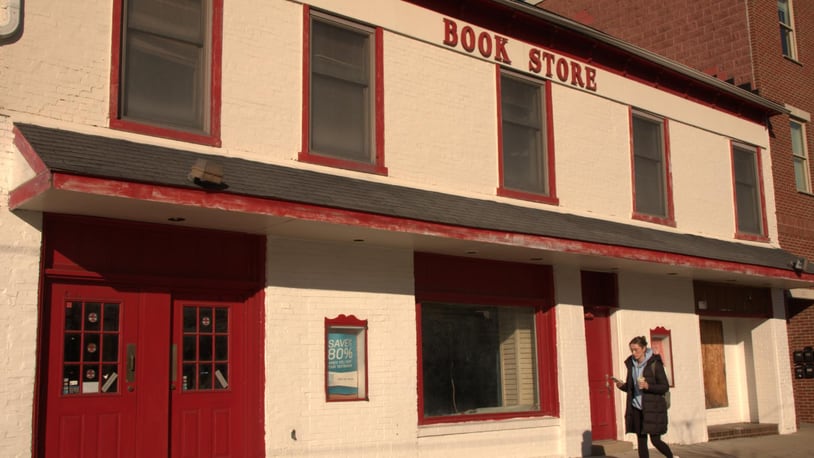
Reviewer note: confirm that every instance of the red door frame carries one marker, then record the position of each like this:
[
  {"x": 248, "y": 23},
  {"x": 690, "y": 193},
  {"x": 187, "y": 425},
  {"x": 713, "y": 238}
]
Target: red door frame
[{"x": 83, "y": 249}]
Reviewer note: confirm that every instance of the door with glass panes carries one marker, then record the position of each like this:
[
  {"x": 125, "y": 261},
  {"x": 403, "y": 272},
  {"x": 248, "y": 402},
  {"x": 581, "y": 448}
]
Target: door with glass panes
[{"x": 143, "y": 373}]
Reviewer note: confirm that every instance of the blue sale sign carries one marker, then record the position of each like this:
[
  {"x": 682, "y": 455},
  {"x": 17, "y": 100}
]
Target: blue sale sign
[{"x": 343, "y": 377}]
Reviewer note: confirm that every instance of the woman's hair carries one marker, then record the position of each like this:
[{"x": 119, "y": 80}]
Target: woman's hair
[{"x": 640, "y": 341}]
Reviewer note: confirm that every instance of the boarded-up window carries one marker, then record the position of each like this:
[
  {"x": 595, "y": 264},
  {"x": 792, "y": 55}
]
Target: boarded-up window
[{"x": 712, "y": 353}]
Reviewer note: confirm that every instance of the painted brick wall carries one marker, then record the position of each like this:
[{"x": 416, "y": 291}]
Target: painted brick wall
[
  {"x": 19, "y": 280},
  {"x": 310, "y": 280},
  {"x": 440, "y": 116},
  {"x": 717, "y": 41}
]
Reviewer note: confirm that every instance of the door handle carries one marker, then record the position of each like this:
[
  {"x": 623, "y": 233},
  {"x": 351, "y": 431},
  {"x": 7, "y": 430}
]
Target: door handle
[
  {"x": 173, "y": 365},
  {"x": 130, "y": 373}
]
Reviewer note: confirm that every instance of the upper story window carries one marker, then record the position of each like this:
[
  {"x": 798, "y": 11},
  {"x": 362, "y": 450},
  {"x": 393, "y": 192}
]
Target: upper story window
[
  {"x": 525, "y": 133},
  {"x": 802, "y": 171},
  {"x": 788, "y": 41},
  {"x": 342, "y": 125},
  {"x": 749, "y": 205},
  {"x": 168, "y": 78},
  {"x": 652, "y": 194}
]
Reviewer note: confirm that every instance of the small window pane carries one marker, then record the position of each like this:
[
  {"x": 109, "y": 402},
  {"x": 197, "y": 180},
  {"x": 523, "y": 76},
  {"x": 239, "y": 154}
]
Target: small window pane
[
  {"x": 205, "y": 348},
  {"x": 73, "y": 347},
  {"x": 93, "y": 316},
  {"x": 110, "y": 347},
  {"x": 70, "y": 381},
  {"x": 221, "y": 348},
  {"x": 92, "y": 350},
  {"x": 73, "y": 316},
  {"x": 110, "y": 379},
  {"x": 188, "y": 377},
  {"x": 221, "y": 319},
  {"x": 204, "y": 376},
  {"x": 205, "y": 319},
  {"x": 190, "y": 348},
  {"x": 111, "y": 314},
  {"x": 221, "y": 376},
  {"x": 190, "y": 319}
]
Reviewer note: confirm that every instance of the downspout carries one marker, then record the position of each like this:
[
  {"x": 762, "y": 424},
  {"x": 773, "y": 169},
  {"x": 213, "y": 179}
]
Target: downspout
[{"x": 10, "y": 30}]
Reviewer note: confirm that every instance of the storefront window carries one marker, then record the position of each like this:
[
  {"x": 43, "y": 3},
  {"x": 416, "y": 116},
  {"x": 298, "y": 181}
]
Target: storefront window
[{"x": 478, "y": 359}]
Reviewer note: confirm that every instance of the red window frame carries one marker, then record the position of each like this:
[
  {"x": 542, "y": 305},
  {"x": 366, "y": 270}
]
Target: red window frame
[
  {"x": 548, "y": 127},
  {"x": 762, "y": 236},
  {"x": 449, "y": 279},
  {"x": 306, "y": 155},
  {"x": 213, "y": 136},
  {"x": 669, "y": 218}
]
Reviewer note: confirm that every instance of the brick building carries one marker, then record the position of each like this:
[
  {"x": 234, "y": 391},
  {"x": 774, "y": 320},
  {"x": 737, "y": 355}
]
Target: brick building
[
  {"x": 766, "y": 46},
  {"x": 400, "y": 228}
]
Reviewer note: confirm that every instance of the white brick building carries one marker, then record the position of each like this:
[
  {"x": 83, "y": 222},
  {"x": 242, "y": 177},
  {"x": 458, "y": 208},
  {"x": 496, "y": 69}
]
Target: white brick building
[{"x": 485, "y": 201}]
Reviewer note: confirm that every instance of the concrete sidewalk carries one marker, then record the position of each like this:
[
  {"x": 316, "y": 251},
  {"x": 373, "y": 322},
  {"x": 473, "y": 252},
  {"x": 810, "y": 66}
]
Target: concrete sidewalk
[{"x": 796, "y": 445}]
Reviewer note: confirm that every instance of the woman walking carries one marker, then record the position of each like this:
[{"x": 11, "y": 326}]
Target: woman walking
[{"x": 646, "y": 411}]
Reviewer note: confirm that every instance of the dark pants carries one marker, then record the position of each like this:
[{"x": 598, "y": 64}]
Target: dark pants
[{"x": 642, "y": 438}]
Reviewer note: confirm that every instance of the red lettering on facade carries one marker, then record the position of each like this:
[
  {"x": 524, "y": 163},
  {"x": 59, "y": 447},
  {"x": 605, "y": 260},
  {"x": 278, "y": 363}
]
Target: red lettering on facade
[
  {"x": 534, "y": 60},
  {"x": 468, "y": 38},
  {"x": 500, "y": 50},
  {"x": 562, "y": 69},
  {"x": 548, "y": 58},
  {"x": 450, "y": 33},
  {"x": 485, "y": 44},
  {"x": 576, "y": 75},
  {"x": 590, "y": 79}
]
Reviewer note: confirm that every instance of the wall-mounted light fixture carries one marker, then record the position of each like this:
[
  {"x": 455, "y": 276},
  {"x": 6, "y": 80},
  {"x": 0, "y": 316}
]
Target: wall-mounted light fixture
[
  {"x": 207, "y": 174},
  {"x": 799, "y": 265}
]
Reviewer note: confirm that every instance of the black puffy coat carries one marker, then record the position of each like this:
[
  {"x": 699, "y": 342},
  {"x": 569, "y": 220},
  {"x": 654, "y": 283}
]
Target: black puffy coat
[{"x": 654, "y": 407}]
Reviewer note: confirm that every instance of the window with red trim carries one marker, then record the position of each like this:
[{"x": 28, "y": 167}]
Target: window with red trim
[
  {"x": 525, "y": 132},
  {"x": 166, "y": 69},
  {"x": 486, "y": 345},
  {"x": 652, "y": 197},
  {"x": 749, "y": 207},
  {"x": 342, "y": 112}
]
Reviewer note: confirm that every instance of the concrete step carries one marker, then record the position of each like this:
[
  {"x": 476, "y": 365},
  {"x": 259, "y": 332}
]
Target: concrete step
[
  {"x": 735, "y": 430},
  {"x": 609, "y": 447}
]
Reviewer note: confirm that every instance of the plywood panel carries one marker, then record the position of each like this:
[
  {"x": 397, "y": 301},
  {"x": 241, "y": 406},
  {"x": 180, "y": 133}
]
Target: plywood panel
[{"x": 712, "y": 353}]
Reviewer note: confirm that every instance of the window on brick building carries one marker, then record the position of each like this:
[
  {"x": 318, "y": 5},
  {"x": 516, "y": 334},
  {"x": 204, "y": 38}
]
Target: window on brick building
[
  {"x": 749, "y": 207},
  {"x": 168, "y": 75},
  {"x": 342, "y": 108},
  {"x": 486, "y": 340},
  {"x": 652, "y": 197},
  {"x": 788, "y": 41},
  {"x": 802, "y": 172},
  {"x": 526, "y": 152}
]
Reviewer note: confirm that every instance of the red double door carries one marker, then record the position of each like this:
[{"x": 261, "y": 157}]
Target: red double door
[{"x": 135, "y": 373}]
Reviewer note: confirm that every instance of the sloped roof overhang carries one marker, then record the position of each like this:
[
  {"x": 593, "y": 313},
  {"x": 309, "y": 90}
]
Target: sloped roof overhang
[{"x": 74, "y": 168}]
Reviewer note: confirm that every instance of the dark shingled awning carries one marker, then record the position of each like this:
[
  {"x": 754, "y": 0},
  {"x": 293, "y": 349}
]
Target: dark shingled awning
[{"x": 116, "y": 159}]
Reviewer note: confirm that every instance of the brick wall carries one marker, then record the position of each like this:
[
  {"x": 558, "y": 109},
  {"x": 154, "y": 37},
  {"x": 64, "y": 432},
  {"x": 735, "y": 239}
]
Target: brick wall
[
  {"x": 712, "y": 36},
  {"x": 19, "y": 280}
]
